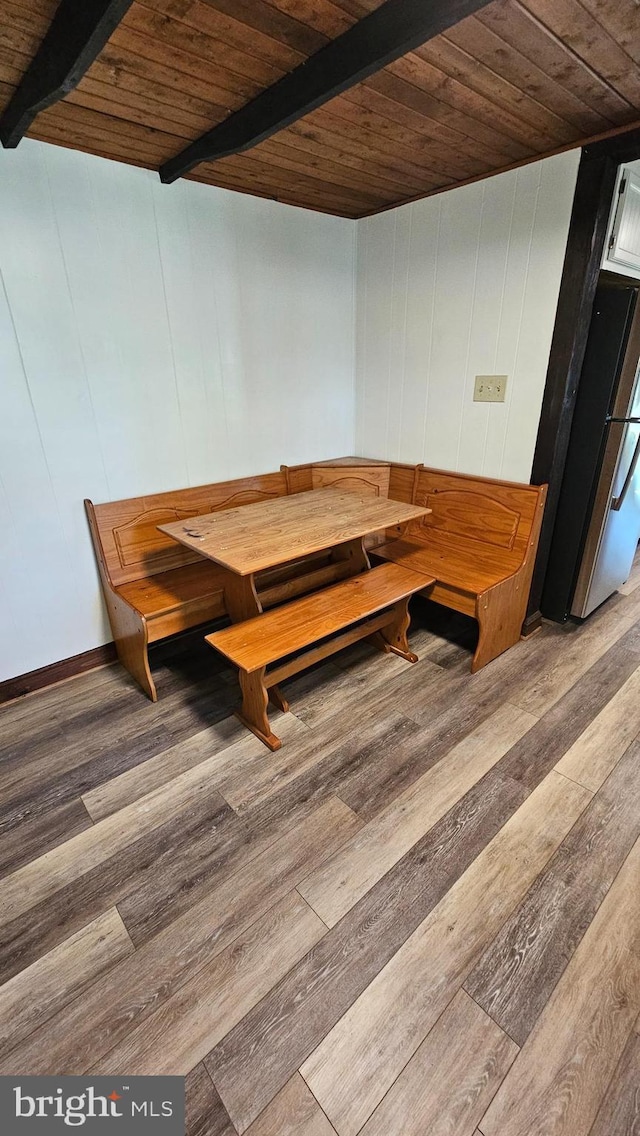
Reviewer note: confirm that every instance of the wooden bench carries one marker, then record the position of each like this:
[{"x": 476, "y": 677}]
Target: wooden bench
[
  {"x": 154, "y": 587},
  {"x": 271, "y": 647},
  {"x": 479, "y": 543}
]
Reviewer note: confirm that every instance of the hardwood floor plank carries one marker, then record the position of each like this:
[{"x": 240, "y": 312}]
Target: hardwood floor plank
[
  {"x": 454, "y": 705},
  {"x": 562, "y": 1073},
  {"x": 118, "y": 792},
  {"x": 543, "y": 746},
  {"x": 31, "y": 934},
  {"x": 85, "y": 1031},
  {"x": 634, "y": 578},
  {"x": 33, "y": 837},
  {"x": 199, "y": 1014},
  {"x": 594, "y": 754},
  {"x": 451, "y": 1078},
  {"x": 205, "y": 1114},
  {"x": 46, "y": 875},
  {"x": 517, "y": 974},
  {"x": 585, "y": 645},
  {"x": 32, "y": 796},
  {"x": 260, "y": 1055},
  {"x": 39, "y": 991},
  {"x": 340, "y": 883},
  {"x": 313, "y": 758},
  {"x": 619, "y": 1113},
  {"x": 293, "y": 1112},
  {"x": 429, "y": 968}
]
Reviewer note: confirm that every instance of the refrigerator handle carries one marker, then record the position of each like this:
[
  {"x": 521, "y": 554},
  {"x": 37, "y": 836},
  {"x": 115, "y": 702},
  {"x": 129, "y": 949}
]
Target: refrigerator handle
[{"x": 618, "y": 502}]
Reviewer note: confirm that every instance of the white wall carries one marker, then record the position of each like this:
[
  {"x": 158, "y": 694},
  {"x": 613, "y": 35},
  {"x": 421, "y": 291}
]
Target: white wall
[
  {"x": 151, "y": 337},
  {"x": 456, "y": 285}
]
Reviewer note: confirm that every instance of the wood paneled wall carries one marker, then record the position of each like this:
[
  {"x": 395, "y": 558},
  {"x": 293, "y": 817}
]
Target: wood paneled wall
[
  {"x": 461, "y": 284},
  {"x": 150, "y": 338}
]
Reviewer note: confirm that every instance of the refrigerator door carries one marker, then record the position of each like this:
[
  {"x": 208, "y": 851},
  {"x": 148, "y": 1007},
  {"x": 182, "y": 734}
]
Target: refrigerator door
[{"x": 620, "y": 532}]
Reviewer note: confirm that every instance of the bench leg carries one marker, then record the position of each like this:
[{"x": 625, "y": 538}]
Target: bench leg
[
  {"x": 395, "y": 633},
  {"x": 130, "y": 635},
  {"x": 277, "y": 699},
  {"x": 255, "y": 698},
  {"x": 500, "y": 613}
]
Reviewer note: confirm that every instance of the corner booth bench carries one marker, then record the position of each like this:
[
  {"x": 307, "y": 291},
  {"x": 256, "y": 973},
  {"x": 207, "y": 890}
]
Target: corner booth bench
[{"x": 474, "y": 552}]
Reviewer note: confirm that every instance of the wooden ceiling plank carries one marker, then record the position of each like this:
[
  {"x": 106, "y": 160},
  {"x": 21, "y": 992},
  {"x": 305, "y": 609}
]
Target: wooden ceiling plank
[
  {"x": 12, "y": 68},
  {"x": 90, "y": 122},
  {"x": 78, "y": 32},
  {"x": 439, "y": 117},
  {"x": 388, "y": 164},
  {"x": 389, "y": 130},
  {"x": 388, "y": 32},
  {"x": 260, "y": 169},
  {"x": 301, "y": 202},
  {"x": 131, "y": 107},
  {"x": 414, "y": 159},
  {"x": 325, "y": 144},
  {"x": 520, "y": 30},
  {"x": 273, "y": 183},
  {"x": 278, "y": 153},
  {"x": 14, "y": 38},
  {"x": 328, "y": 18},
  {"x": 40, "y": 12},
  {"x": 32, "y": 20},
  {"x": 175, "y": 34},
  {"x": 510, "y": 78},
  {"x": 210, "y": 21},
  {"x": 128, "y": 73},
  {"x": 289, "y": 27},
  {"x": 568, "y": 20},
  {"x": 423, "y": 69},
  {"x": 60, "y": 130},
  {"x": 286, "y": 191},
  {"x": 620, "y": 19},
  {"x": 61, "y": 138},
  {"x": 200, "y": 74}
]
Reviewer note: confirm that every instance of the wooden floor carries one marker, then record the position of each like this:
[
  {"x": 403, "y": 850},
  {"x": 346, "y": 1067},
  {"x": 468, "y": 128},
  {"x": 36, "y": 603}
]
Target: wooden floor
[{"x": 420, "y": 918}]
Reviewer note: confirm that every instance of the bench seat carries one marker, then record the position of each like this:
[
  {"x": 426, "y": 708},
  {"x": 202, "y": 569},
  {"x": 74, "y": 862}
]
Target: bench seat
[
  {"x": 479, "y": 542},
  {"x": 193, "y": 584},
  {"x": 462, "y": 571},
  {"x": 153, "y": 587},
  {"x": 277, "y": 644}
]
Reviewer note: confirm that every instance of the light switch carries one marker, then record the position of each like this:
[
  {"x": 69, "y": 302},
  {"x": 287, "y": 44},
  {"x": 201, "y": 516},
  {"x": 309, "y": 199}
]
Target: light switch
[{"x": 489, "y": 388}]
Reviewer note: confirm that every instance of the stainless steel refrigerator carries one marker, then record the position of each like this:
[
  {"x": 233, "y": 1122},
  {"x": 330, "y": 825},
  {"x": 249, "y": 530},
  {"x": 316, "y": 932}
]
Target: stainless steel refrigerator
[{"x": 598, "y": 523}]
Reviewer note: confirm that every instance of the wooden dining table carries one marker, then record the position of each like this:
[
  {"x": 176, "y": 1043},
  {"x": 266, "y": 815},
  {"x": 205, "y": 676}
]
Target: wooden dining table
[{"x": 252, "y": 539}]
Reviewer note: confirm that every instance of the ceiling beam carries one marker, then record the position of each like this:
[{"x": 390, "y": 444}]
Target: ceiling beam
[
  {"x": 78, "y": 32},
  {"x": 393, "y": 29}
]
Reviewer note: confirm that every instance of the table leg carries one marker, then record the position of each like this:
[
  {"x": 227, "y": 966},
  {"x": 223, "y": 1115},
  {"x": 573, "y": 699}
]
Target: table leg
[
  {"x": 240, "y": 597},
  {"x": 355, "y": 553}
]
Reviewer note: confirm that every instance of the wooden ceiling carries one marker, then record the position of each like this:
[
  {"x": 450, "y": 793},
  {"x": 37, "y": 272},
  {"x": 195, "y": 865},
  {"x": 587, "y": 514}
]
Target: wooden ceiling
[{"x": 518, "y": 80}]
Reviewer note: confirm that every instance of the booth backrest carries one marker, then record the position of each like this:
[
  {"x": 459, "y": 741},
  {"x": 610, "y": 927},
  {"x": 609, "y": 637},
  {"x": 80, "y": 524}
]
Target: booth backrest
[
  {"x": 133, "y": 548},
  {"x": 367, "y": 479},
  {"x": 490, "y": 521}
]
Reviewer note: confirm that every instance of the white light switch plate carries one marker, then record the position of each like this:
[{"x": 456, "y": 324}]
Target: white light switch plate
[{"x": 490, "y": 388}]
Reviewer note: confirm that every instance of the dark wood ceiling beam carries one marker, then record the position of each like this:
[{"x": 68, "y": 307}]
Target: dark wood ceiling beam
[
  {"x": 78, "y": 32},
  {"x": 387, "y": 33}
]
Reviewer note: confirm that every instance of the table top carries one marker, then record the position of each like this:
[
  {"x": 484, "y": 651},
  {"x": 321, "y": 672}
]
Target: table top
[{"x": 253, "y": 537}]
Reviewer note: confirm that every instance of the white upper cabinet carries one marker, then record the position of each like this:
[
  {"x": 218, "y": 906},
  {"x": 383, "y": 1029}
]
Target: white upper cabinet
[{"x": 623, "y": 245}]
